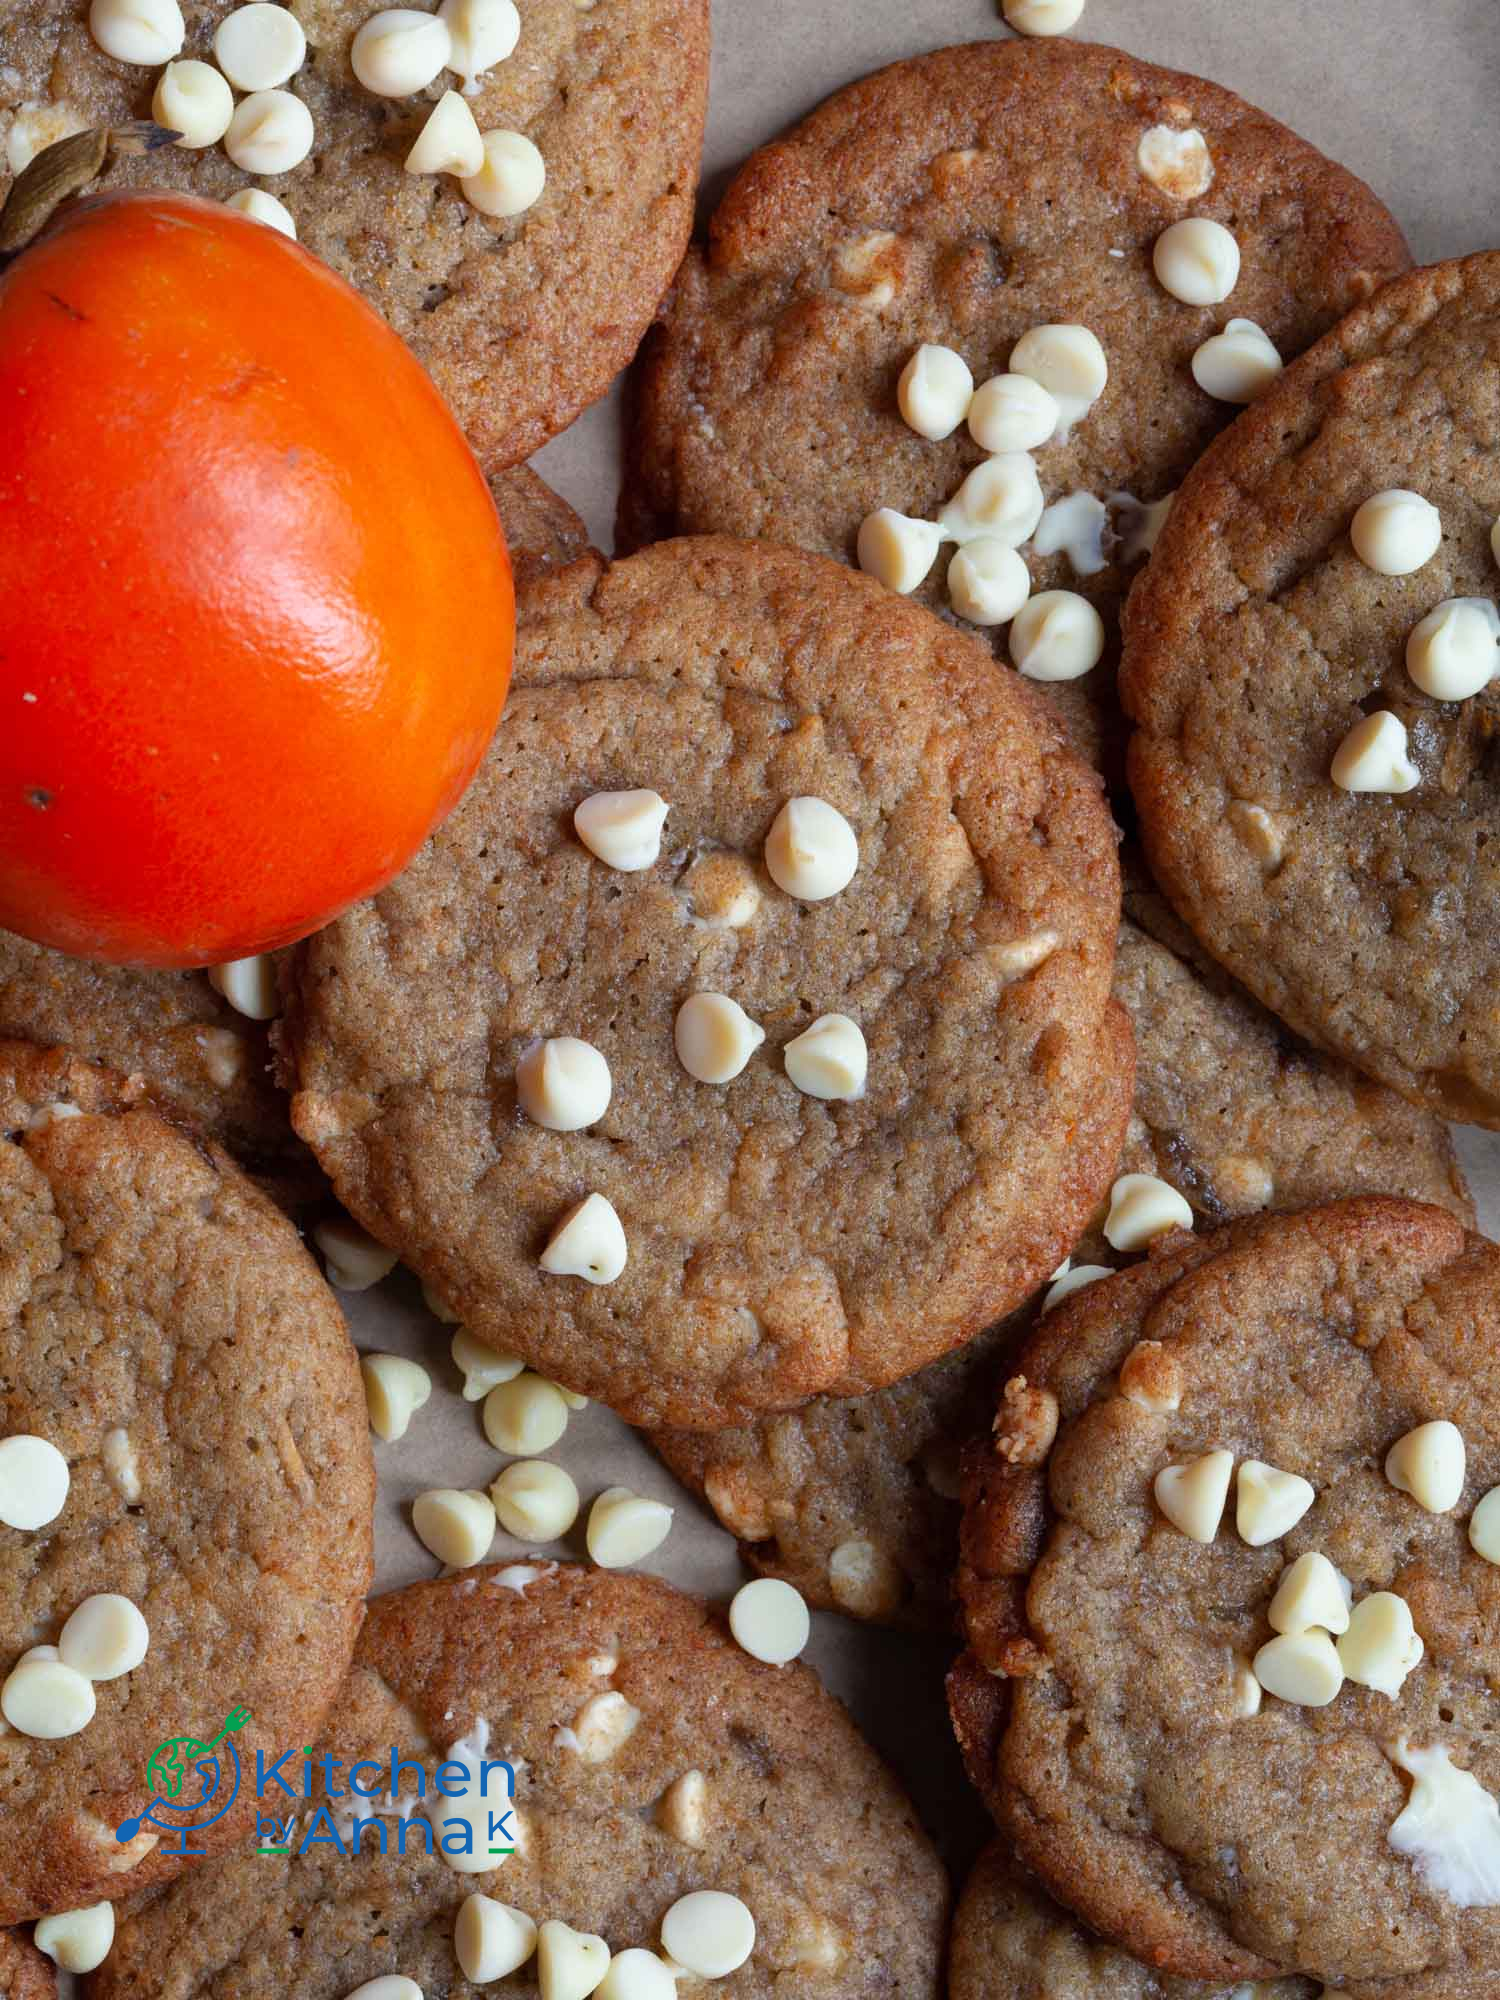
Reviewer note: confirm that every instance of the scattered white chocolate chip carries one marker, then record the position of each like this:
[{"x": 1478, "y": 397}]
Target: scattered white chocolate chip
[
  {"x": 1001, "y": 500},
  {"x": 263, "y": 207},
  {"x": 896, "y": 550},
  {"x": 511, "y": 179},
  {"x": 1197, "y": 261},
  {"x": 1043, "y": 17},
  {"x": 1429, "y": 1464},
  {"x": 1454, "y": 652},
  {"x": 481, "y": 33},
  {"x": 138, "y": 31},
  {"x": 1484, "y": 1527},
  {"x": 259, "y": 46},
  {"x": 1192, "y": 1496},
  {"x": 449, "y": 142},
  {"x": 1373, "y": 757},
  {"x": 1056, "y": 636},
  {"x": 525, "y": 1415},
  {"x": 715, "y": 1037},
  {"x": 193, "y": 100},
  {"x": 934, "y": 391},
  {"x": 569, "y": 1964},
  {"x": 1301, "y": 1667},
  {"x": 603, "y": 1725},
  {"x": 1070, "y": 364},
  {"x": 682, "y": 1809},
  {"x": 1310, "y": 1593},
  {"x": 458, "y": 1527},
  {"x": 722, "y": 892},
  {"x": 1073, "y": 1280},
  {"x": 395, "y": 1389},
  {"x": 769, "y": 1620},
  {"x": 399, "y": 51},
  {"x": 535, "y": 1500},
  {"x": 1141, "y": 1207},
  {"x": 1012, "y": 413},
  {"x": 52, "y": 1114},
  {"x": 270, "y": 133},
  {"x": 588, "y": 1242},
  {"x": 1077, "y": 525},
  {"x": 78, "y": 1940},
  {"x": 1396, "y": 532},
  {"x": 709, "y": 1933},
  {"x": 624, "y": 1527},
  {"x": 864, "y": 1580},
  {"x": 353, "y": 1260},
  {"x": 118, "y": 1454},
  {"x": 1238, "y": 364},
  {"x": 491, "y": 1939},
  {"x": 829, "y": 1059},
  {"x": 1246, "y": 1690},
  {"x": 637, "y": 1974},
  {"x": 481, "y": 1366},
  {"x": 389, "y": 1986},
  {"x": 33, "y": 128},
  {"x": 1013, "y": 959},
  {"x": 1257, "y": 831},
  {"x": 1268, "y": 1503},
  {"x": 1179, "y": 163},
  {"x": 248, "y": 984},
  {"x": 864, "y": 266},
  {"x": 1141, "y": 523},
  {"x": 622, "y": 828},
  {"x": 1151, "y": 1378},
  {"x": 104, "y": 1637},
  {"x": 811, "y": 851},
  {"x": 1381, "y": 1645},
  {"x": 34, "y": 1480},
  {"x": 570, "y": 1396},
  {"x": 988, "y": 582},
  {"x": 45, "y": 1699},
  {"x": 563, "y": 1084},
  {"x": 1450, "y": 1827}
]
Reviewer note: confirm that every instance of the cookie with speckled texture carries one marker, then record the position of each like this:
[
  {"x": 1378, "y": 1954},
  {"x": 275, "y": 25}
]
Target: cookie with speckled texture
[
  {"x": 25, "y": 1973},
  {"x": 934, "y": 201},
  {"x": 521, "y": 323},
  {"x": 1370, "y": 922},
  {"x": 542, "y": 531},
  {"x": 1117, "y": 1753},
  {"x": 151, "y": 1296},
  {"x": 779, "y": 1245},
  {"x": 797, "y": 1816}
]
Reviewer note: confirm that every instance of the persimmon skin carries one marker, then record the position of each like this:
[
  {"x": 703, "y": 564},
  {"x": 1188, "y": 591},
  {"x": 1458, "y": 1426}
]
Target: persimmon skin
[{"x": 256, "y": 610}]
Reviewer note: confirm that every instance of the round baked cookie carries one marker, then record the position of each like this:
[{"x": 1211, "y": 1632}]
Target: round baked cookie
[
  {"x": 653, "y": 1759},
  {"x": 25, "y": 1973},
  {"x": 1331, "y": 1830},
  {"x": 521, "y": 323},
  {"x": 779, "y": 1244},
  {"x": 936, "y": 202},
  {"x": 1010, "y": 1941},
  {"x": 1368, "y": 920},
  {"x": 162, "y": 1328},
  {"x": 855, "y": 1500}
]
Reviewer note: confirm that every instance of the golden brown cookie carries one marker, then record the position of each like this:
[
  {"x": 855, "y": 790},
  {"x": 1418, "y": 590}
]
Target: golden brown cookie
[
  {"x": 25, "y": 1974},
  {"x": 542, "y": 531}
]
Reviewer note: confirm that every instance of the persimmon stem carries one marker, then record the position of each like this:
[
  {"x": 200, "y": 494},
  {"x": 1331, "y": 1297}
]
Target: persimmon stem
[{"x": 62, "y": 170}]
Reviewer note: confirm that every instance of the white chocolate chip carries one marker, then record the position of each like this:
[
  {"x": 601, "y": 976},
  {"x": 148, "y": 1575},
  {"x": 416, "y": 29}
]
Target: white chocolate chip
[
  {"x": 458, "y": 1527},
  {"x": 769, "y": 1620},
  {"x": 120, "y": 1463},
  {"x": 988, "y": 582},
  {"x": 263, "y": 207},
  {"x": 1396, "y": 532},
  {"x": 481, "y": 33},
  {"x": 1001, "y": 501},
  {"x": 722, "y": 892},
  {"x": 270, "y": 133},
  {"x": 1197, "y": 261},
  {"x": 1373, "y": 757},
  {"x": 1141, "y": 523},
  {"x": 1013, "y": 960},
  {"x": 104, "y": 1638},
  {"x": 35, "y": 127},
  {"x": 138, "y": 31},
  {"x": 1310, "y": 1593},
  {"x": 570, "y": 1396},
  {"x": 563, "y": 1084},
  {"x": 602, "y": 1726},
  {"x": 1179, "y": 163},
  {"x": 354, "y": 1261},
  {"x": 223, "y": 1049},
  {"x": 1450, "y": 1827},
  {"x": 1012, "y": 413},
  {"x": 1077, "y": 525},
  {"x": 588, "y": 1242},
  {"x": 569, "y": 1964},
  {"x": 491, "y": 1939},
  {"x": 1141, "y": 1208},
  {"x": 1192, "y": 1496},
  {"x": 1429, "y": 1463},
  {"x": 896, "y": 550},
  {"x": 535, "y": 1501},
  {"x": 934, "y": 391},
  {"x": 829, "y": 1059},
  {"x": 638, "y": 1974},
  {"x": 259, "y": 46},
  {"x": 682, "y": 1809},
  {"x": 1246, "y": 1690},
  {"x": 399, "y": 51},
  {"x": 1043, "y": 17},
  {"x": 193, "y": 100},
  {"x": 395, "y": 1389},
  {"x": 1269, "y": 1503},
  {"x": 1454, "y": 652},
  {"x": 481, "y": 1366},
  {"x": 78, "y": 1940},
  {"x": 1070, "y": 364},
  {"x": 449, "y": 142},
  {"x": 709, "y": 1933},
  {"x": 1484, "y": 1527},
  {"x": 864, "y": 266},
  {"x": 715, "y": 1037},
  {"x": 1381, "y": 1645},
  {"x": 34, "y": 1480},
  {"x": 863, "y": 1579},
  {"x": 1257, "y": 830},
  {"x": 622, "y": 828},
  {"x": 1243, "y": 1181},
  {"x": 45, "y": 1699},
  {"x": 1238, "y": 364},
  {"x": 1301, "y": 1667},
  {"x": 525, "y": 1415},
  {"x": 1056, "y": 636},
  {"x": 511, "y": 179},
  {"x": 1073, "y": 1280},
  {"x": 811, "y": 851},
  {"x": 624, "y": 1527},
  {"x": 248, "y": 984},
  {"x": 390, "y": 1986},
  {"x": 1151, "y": 1378}
]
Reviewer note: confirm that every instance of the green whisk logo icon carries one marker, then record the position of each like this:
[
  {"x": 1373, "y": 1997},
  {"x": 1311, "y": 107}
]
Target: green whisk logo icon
[{"x": 195, "y": 1784}]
